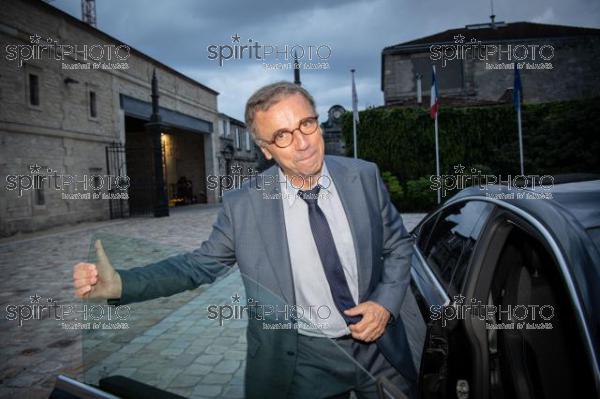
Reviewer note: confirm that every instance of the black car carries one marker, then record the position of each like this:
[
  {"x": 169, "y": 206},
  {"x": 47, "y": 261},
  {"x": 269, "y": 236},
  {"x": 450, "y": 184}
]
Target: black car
[{"x": 508, "y": 282}]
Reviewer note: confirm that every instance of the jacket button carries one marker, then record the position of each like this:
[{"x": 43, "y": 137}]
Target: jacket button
[{"x": 290, "y": 353}]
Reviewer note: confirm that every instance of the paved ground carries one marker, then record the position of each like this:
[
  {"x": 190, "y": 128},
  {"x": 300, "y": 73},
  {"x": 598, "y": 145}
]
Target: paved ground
[{"x": 169, "y": 342}]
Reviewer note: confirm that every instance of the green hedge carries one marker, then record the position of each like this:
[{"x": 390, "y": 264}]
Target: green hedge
[{"x": 561, "y": 137}]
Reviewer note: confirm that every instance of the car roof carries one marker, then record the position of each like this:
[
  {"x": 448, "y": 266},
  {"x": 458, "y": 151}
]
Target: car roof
[{"x": 580, "y": 200}]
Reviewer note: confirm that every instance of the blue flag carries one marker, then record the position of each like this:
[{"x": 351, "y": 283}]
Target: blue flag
[{"x": 517, "y": 89}]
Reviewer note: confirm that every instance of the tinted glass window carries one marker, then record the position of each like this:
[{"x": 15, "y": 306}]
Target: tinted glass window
[
  {"x": 453, "y": 239},
  {"x": 425, "y": 233}
]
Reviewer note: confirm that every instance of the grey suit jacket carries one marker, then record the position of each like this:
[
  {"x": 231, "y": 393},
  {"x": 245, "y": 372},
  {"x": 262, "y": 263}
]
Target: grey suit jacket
[{"x": 250, "y": 230}]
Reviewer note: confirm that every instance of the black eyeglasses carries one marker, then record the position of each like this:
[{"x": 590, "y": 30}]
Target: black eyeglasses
[{"x": 284, "y": 138}]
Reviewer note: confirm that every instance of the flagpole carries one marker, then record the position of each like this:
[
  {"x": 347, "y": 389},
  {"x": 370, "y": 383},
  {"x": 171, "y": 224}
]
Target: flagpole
[
  {"x": 437, "y": 159},
  {"x": 434, "y": 104},
  {"x": 520, "y": 139},
  {"x": 517, "y": 96},
  {"x": 354, "y": 136},
  {"x": 354, "y": 106}
]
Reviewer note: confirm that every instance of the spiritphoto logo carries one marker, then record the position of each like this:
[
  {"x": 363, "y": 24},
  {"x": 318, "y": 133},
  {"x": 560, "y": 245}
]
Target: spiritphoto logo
[
  {"x": 462, "y": 179},
  {"x": 496, "y": 317},
  {"x": 236, "y": 178},
  {"x": 96, "y": 56},
  {"x": 309, "y": 56},
  {"x": 72, "y": 316},
  {"x": 527, "y": 56},
  {"x": 274, "y": 316},
  {"x": 84, "y": 186}
]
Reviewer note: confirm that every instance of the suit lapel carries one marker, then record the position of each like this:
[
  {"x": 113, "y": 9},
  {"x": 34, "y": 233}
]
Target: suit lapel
[
  {"x": 350, "y": 190},
  {"x": 269, "y": 214}
]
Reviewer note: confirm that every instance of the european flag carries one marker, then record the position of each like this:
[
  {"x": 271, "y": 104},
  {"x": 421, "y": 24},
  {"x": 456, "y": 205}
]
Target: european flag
[{"x": 517, "y": 89}]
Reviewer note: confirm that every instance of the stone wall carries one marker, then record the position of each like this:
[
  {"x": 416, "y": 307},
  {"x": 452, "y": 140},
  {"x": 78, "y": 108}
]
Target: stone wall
[
  {"x": 60, "y": 133},
  {"x": 574, "y": 75}
]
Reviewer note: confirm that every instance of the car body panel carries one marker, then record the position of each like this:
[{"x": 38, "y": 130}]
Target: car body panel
[{"x": 563, "y": 222}]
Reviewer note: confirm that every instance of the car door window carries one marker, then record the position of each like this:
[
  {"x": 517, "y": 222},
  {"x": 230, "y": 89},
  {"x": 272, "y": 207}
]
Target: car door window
[
  {"x": 424, "y": 232},
  {"x": 535, "y": 348},
  {"x": 453, "y": 239}
]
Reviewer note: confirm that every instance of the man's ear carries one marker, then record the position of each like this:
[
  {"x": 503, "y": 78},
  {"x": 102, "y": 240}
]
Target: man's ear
[{"x": 266, "y": 153}]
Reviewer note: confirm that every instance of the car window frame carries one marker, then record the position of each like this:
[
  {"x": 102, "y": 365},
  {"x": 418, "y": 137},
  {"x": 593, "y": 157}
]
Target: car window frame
[{"x": 447, "y": 287}]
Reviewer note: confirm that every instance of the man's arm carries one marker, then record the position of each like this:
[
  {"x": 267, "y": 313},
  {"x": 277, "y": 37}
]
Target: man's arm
[
  {"x": 166, "y": 277},
  {"x": 184, "y": 271},
  {"x": 397, "y": 253}
]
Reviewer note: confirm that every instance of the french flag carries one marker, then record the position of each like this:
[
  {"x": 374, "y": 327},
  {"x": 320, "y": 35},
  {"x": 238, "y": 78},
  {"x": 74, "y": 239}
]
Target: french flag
[{"x": 435, "y": 95}]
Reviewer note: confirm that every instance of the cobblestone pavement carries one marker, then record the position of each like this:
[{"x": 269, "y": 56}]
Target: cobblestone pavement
[{"x": 169, "y": 343}]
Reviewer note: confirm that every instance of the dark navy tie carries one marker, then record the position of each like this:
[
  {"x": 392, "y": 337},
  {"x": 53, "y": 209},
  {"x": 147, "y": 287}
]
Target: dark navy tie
[{"x": 328, "y": 254}]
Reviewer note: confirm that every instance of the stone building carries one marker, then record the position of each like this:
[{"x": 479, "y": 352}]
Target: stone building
[
  {"x": 74, "y": 108},
  {"x": 474, "y": 64},
  {"x": 238, "y": 154}
]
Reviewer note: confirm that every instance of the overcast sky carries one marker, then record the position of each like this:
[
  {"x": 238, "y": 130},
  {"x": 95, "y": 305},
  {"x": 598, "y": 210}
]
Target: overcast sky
[{"x": 178, "y": 32}]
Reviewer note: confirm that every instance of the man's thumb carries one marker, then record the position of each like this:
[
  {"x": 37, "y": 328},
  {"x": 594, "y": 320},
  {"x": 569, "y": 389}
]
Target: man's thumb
[{"x": 100, "y": 254}]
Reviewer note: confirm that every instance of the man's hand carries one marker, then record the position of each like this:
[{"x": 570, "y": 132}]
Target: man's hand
[
  {"x": 98, "y": 280},
  {"x": 374, "y": 319}
]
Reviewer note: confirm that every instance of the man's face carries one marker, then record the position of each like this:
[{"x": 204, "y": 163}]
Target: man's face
[{"x": 304, "y": 157}]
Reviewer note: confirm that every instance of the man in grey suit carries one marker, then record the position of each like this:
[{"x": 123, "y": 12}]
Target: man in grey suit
[{"x": 314, "y": 232}]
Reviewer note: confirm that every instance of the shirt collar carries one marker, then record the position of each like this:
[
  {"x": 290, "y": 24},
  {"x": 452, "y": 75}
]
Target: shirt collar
[{"x": 290, "y": 193}]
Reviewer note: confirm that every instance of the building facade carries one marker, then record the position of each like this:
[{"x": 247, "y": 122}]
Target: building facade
[
  {"x": 75, "y": 103},
  {"x": 238, "y": 155},
  {"x": 474, "y": 64}
]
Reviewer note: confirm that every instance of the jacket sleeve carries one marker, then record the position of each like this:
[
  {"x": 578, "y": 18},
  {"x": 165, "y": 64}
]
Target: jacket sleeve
[
  {"x": 184, "y": 271},
  {"x": 397, "y": 253}
]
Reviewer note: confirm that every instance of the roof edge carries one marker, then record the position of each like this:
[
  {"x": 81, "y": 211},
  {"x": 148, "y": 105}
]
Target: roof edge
[{"x": 81, "y": 24}]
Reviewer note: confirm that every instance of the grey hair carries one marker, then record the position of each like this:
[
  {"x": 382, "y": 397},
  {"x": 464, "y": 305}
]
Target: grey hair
[{"x": 267, "y": 96}]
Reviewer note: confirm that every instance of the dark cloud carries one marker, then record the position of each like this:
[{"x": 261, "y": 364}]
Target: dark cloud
[{"x": 178, "y": 33}]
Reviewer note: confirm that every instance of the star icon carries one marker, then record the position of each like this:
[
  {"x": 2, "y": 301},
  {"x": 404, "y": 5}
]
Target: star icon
[
  {"x": 459, "y": 299},
  {"x": 235, "y": 298},
  {"x": 459, "y": 169},
  {"x": 235, "y": 38},
  {"x": 34, "y": 168},
  {"x": 459, "y": 38},
  {"x": 237, "y": 169},
  {"x": 35, "y": 39},
  {"x": 251, "y": 171},
  {"x": 35, "y": 298}
]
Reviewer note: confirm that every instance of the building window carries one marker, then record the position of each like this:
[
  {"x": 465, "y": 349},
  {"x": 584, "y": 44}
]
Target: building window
[
  {"x": 247, "y": 134},
  {"x": 40, "y": 200},
  {"x": 34, "y": 89},
  {"x": 238, "y": 144},
  {"x": 224, "y": 131},
  {"x": 93, "y": 109}
]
